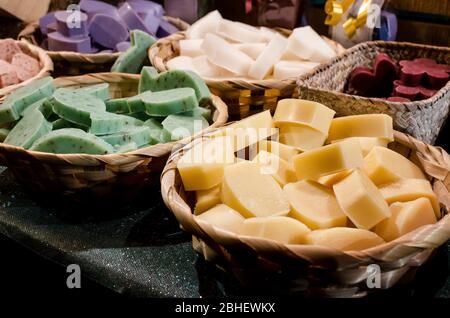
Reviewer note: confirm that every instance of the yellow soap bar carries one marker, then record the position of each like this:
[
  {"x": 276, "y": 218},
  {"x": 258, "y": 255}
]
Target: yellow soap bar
[
  {"x": 301, "y": 136},
  {"x": 251, "y": 193},
  {"x": 331, "y": 179},
  {"x": 206, "y": 199},
  {"x": 314, "y": 205},
  {"x": 202, "y": 166},
  {"x": 328, "y": 159},
  {"x": 344, "y": 239},
  {"x": 406, "y": 217},
  {"x": 369, "y": 125},
  {"x": 281, "y": 150},
  {"x": 368, "y": 143},
  {"x": 282, "y": 229},
  {"x": 361, "y": 201},
  {"x": 223, "y": 217},
  {"x": 281, "y": 170},
  {"x": 383, "y": 165},
  {"x": 305, "y": 112},
  {"x": 410, "y": 189}
]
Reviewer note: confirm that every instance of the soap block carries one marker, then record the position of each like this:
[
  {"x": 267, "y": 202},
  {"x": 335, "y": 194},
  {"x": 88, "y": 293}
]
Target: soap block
[
  {"x": 26, "y": 66},
  {"x": 182, "y": 126},
  {"x": 200, "y": 111},
  {"x": 223, "y": 217},
  {"x": 408, "y": 190},
  {"x": 8, "y": 48},
  {"x": 304, "y": 112},
  {"x": 145, "y": 7},
  {"x": 104, "y": 123},
  {"x": 148, "y": 75},
  {"x": 406, "y": 217},
  {"x": 172, "y": 101},
  {"x": 70, "y": 24},
  {"x": 157, "y": 131},
  {"x": 305, "y": 43},
  {"x": 253, "y": 50},
  {"x": 122, "y": 46},
  {"x": 240, "y": 32},
  {"x": 344, "y": 239},
  {"x": 206, "y": 199},
  {"x": 202, "y": 167},
  {"x": 165, "y": 29},
  {"x": 98, "y": 90},
  {"x": 132, "y": 19},
  {"x": 383, "y": 165},
  {"x": 263, "y": 65},
  {"x": 314, "y": 205},
  {"x": 45, "y": 21},
  {"x": 251, "y": 193},
  {"x": 282, "y": 229},
  {"x": 93, "y": 7},
  {"x": 281, "y": 170},
  {"x": 107, "y": 31},
  {"x": 208, "y": 24},
  {"x": 301, "y": 136},
  {"x": 60, "y": 42},
  {"x": 369, "y": 125},
  {"x": 281, "y": 150},
  {"x": 62, "y": 123},
  {"x": 331, "y": 179},
  {"x": 140, "y": 135},
  {"x": 203, "y": 66},
  {"x": 41, "y": 105},
  {"x": 292, "y": 69},
  {"x": 8, "y": 74},
  {"x": 361, "y": 201},
  {"x": 4, "y": 133},
  {"x": 368, "y": 143},
  {"x": 191, "y": 48},
  {"x": 136, "y": 104},
  {"x": 181, "y": 63},
  {"x": 117, "y": 105}
]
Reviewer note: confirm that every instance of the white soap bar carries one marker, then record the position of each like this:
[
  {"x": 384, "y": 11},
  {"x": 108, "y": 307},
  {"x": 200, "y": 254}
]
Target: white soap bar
[
  {"x": 267, "y": 59},
  {"x": 251, "y": 49},
  {"x": 289, "y": 69},
  {"x": 205, "y": 68},
  {"x": 191, "y": 48},
  {"x": 181, "y": 63},
  {"x": 223, "y": 54},
  {"x": 240, "y": 32},
  {"x": 208, "y": 24},
  {"x": 308, "y": 45}
]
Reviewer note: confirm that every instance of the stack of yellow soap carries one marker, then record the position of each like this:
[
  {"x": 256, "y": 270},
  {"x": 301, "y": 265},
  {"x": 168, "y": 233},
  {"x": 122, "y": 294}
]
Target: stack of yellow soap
[{"x": 304, "y": 177}]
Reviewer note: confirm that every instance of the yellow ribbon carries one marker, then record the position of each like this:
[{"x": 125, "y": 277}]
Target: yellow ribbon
[{"x": 335, "y": 9}]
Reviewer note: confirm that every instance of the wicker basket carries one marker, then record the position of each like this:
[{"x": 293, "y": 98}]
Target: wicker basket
[
  {"x": 243, "y": 97},
  {"x": 310, "y": 270},
  {"x": 44, "y": 60},
  {"x": 420, "y": 119},
  {"x": 94, "y": 178},
  {"x": 73, "y": 63}
]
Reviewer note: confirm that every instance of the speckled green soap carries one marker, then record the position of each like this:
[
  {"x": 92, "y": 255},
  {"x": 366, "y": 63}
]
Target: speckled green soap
[
  {"x": 182, "y": 126},
  {"x": 172, "y": 101},
  {"x": 157, "y": 131},
  {"x": 136, "y": 104},
  {"x": 43, "y": 105},
  {"x": 98, "y": 90},
  {"x": 62, "y": 123},
  {"x": 148, "y": 75},
  {"x": 139, "y": 135},
  {"x": 117, "y": 105},
  {"x": 104, "y": 123}
]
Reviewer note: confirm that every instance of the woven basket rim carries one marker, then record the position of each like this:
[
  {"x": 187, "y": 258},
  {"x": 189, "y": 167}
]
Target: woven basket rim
[
  {"x": 44, "y": 60},
  {"x": 302, "y": 80},
  {"x": 425, "y": 237},
  {"x": 157, "y": 150},
  {"x": 235, "y": 83}
]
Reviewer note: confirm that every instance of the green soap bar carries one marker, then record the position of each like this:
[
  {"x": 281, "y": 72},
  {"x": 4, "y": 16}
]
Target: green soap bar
[
  {"x": 141, "y": 39},
  {"x": 148, "y": 74},
  {"x": 157, "y": 131},
  {"x": 139, "y": 134},
  {"x": 72, "y": 140},
  {"x": 41, "y": 105},
  {"x": 75, "y": 107},
  {"x": 199, "y": 111},
  {"x": 28, "y": 129},
  {"x": 104, "y": 123},
  {"x": 4, "y": 133},
  {"x": 141, "y": 116},
  {"x": 126, "y": 148},
  {"x": 15, "y": 103},
  {"x": 177, "y": 79},
  {"x": 118, "y": 105},
  {"x": 135, "y": 103},
  {"x": 62, "y": 123},
  {"x": 181, "y": 126},
  {"x": 98, "y": 90},
  {"x": 172, "y": 101}
]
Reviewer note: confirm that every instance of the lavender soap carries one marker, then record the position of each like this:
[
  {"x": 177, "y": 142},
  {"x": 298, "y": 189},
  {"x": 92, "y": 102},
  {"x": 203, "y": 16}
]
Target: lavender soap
[{"x": 107, "y": 31}]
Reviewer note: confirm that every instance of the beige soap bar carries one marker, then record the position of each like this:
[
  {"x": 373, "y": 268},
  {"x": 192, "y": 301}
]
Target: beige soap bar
[
  {"x": 301, "y": 136},
  {"x": 308, "y": 45},
  {"x": 410, "y": 189},
  {"x": 361, "y": 201},
  {"x": 383, "y": 165},
  {"x": 369, "y": 125},
  {"x": 292, "y": 69},
  {"x": 208, "y": 24},
  {"x": 405, "y": 218},
  {"x": 240, "y": 32},
  {"x": 206, "y": 199},
  {"x": 278, "y": 228},
  {"x": 281, "y": 170},
  {"x": 331, "y": 179},
  {"x": 263, "y": 65},
  {"x": 223, "y": 217},
  {"x": 202, "y": 166},
  {"x": 281, "y": 150},
  {"x": 191, "y": 48},
  {"x": 314, "y": 205},
  {"x": 251, "y": 193},
  {"x": 344, "y": 239},
  {"x": 304, "y": 112},
  {"x": 328, "y": 159},
  {"x": 223, "y": 54},
  {"x": 368, "y": 143}
]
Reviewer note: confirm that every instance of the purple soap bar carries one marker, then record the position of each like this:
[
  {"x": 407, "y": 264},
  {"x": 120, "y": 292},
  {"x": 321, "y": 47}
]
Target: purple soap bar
[
  {"x": 123, "y": 46},
  {"x": 72, "y": 24},
  {"x": 144, "y": 7},
  {"x": 52, "y": 27},
  {"x": 131, "y": 18},
  {"x": 165, "y": 29},
  {"x": 92, "y": 7},
  {"x": 45, "y": 21},
  {"x": 107, "y": 31},
  {"x": 152, "y": 23},
  {"x": 59, "y": 42}
]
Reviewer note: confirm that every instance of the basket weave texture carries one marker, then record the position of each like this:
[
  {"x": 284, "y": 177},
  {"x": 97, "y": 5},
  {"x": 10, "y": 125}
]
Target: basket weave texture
[
  {"x": 90, "y": 177},
  {"x": 314, "y": 270},
  {"x": 420, "y": 119},
  {"x": 243, "y": 97}
]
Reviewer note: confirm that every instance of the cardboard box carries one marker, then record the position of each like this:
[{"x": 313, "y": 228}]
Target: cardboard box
[{"x": 25, "y": 10}]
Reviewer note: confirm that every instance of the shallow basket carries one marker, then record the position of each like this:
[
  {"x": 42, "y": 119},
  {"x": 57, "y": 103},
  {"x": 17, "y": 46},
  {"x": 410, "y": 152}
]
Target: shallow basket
[
  {"x": 311, "y": 270},
  {"x": 243, "y": 97},
  {"x": 73, "y": 63},
  {"x": 420, "y": 119},
  {"x": 93, "y": 178},
  {"x": 44, "y": 61}
]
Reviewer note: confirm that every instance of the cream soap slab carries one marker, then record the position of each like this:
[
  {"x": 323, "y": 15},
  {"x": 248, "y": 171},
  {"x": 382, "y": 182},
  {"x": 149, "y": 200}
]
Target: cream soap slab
[
  {"x": 369, "y": 125},
  {"x": 267, "y": 59},
  {"x": 308, "y": 45}
]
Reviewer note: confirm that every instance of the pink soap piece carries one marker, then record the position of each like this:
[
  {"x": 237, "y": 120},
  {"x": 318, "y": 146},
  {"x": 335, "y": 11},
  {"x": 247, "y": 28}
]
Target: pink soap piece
[
  {"x": 424, "y": 72},
  {"x": 59, "y": 42},
  {"x": 72, "y": 24},
  {"x": 8, "y": 47},
  {"x": 26, "y": 66},
  {"x": 107, "y": 31},
  {"x": 45, "y": 21},
  {"x": 92, "y": 7},
  {"x": 398, "y": 99},
  {"x": 8, "y": 74},
  {"x": 412, "y": 92},
  {"x": 131, "y": 18}
]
